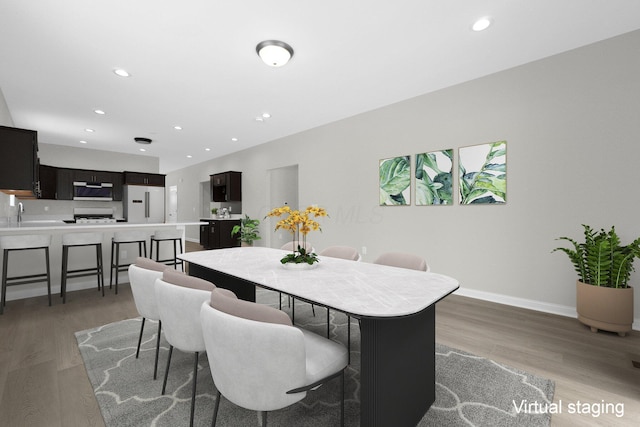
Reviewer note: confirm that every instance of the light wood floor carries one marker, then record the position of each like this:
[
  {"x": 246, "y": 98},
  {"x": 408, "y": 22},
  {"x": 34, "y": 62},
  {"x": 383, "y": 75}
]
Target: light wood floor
[{"x": 43, "y": 381}]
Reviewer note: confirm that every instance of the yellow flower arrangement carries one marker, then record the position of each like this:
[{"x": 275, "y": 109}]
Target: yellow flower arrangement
[{"x": 298, "y": 223}]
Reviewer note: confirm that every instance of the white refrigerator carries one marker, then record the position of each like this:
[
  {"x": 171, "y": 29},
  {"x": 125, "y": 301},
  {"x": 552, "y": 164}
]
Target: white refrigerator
[{"x": 143, "y": 204}]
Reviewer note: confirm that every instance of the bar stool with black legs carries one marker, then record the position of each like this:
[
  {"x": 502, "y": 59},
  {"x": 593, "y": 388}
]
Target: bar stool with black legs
[
  {"x": 33, "y": 242},
  {"x": 124, "y": 238},
  {"x": 81, "y": 240},
  {"x": 174, "y": 236}
]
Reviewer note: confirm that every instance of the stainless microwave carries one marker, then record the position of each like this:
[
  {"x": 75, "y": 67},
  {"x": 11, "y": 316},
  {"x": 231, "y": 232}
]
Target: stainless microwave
[{"x": 93, "y": 191}]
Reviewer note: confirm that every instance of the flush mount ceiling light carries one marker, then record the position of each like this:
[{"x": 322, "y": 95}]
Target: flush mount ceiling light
[
  {"x": 481, "y": 24},
  {"x": 141, "y": 140},
  {"x": 274, "y": 53}
]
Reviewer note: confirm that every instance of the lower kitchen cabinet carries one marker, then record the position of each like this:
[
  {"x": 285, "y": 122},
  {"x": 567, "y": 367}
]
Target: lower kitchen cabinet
[{"x": 216, "y": 234}]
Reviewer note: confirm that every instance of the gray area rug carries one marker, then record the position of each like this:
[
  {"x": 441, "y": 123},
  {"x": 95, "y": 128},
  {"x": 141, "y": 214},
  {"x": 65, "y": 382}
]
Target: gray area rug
[{"x": 470, "y": 390}]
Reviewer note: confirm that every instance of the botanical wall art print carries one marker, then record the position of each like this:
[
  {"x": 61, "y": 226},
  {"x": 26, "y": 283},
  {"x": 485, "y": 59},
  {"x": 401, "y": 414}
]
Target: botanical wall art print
[
  {"x": 434, "y": 178},
  {"x": 483, "y": 173},
  {"x": 395, "y": 181}
]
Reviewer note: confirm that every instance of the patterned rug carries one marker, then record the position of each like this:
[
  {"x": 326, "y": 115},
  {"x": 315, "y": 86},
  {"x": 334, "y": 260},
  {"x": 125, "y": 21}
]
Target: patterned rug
[{"x": 470, "y": 390}]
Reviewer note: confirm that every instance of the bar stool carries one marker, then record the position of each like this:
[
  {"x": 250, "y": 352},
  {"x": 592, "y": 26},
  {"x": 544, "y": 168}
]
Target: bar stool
[
  {"x": 23, "y": 243},
  {"x": 73, "y": 240},
  {"x": 122, "y": 238},
  {"x": 174, "y": 236}
]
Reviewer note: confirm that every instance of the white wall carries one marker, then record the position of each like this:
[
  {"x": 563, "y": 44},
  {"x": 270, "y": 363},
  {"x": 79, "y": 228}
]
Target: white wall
[{"x": 571, "y": 123}]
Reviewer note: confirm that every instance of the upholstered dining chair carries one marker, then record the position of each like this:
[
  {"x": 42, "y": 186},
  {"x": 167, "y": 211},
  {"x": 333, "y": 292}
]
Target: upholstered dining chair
[
  {"x": 343, "y": 252},
  {"x": 142, "y": 278},
  {"x": 179, "y": 299},
  {"x": 259, "y": 361},
  {"x": 402, "y": 260}
]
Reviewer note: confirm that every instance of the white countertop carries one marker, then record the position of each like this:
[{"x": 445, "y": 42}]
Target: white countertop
[
  {"x": 358, "y": 288},
  {"x": 49, "y": 225}
]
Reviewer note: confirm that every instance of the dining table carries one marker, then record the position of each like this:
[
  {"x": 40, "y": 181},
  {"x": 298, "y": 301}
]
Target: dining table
[{"x": 395, "y": 308}]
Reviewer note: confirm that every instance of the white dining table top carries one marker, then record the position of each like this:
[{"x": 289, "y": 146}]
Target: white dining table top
[{"x": 357, "y": 288}]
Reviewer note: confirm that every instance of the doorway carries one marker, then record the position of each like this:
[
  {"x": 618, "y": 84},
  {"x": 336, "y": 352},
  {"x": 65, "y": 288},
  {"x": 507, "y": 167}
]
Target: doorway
[{"x": 283, "y": 190}]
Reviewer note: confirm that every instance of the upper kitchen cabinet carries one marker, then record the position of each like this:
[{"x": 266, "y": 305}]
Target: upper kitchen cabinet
[
  {"x": 19, "y": 162},
  {"x": 141, "y": 178},
  {"x": 226, "y": 187},
  {"x": 48, "y": 181},
  {"x": 65, "y": 177}
]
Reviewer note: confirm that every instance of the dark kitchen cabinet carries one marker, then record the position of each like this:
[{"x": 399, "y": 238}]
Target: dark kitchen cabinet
[
  {"x": 65, "y": 177},
  {"x": 142, "y": 178},
  {"x": 48, "y": 182},
  {"x": 226, "y": 187},
  {"x": 216, "y": 234},
  {"x": 64, "y": 184},
  {"x": 19, "y": 162}
]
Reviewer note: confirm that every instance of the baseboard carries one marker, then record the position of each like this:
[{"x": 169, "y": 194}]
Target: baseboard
[
  {"x": 544, "y": 307},
  {"x": 192, "y": 240}
]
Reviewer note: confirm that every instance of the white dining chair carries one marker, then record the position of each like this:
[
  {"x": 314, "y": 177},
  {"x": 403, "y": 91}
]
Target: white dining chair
[
  {"x": 402, "y": 260},
  {"x": 142, "y": 278},
  {"x": 179, "y": 299},
  {"x": 259, "y": 361}
]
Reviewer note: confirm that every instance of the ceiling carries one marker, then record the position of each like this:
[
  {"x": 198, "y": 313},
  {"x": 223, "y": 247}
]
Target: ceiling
[{"x": 193, "y": 63}]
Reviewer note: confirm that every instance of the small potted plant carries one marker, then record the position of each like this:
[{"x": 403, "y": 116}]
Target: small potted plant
[
  {"x": 604, "y": 299},
  {"x": 248, "y": 230},
  {"x": 214, "y": 212}
]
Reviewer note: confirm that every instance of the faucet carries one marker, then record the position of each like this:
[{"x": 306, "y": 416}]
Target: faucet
[{"x": 20, "y": 212}]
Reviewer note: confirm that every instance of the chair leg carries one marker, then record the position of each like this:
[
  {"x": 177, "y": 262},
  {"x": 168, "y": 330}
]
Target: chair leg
[
  {"x": 349, "y": 340},
  {"x": 193, "y": 391},
  {"x": 140, "y": 337},
  {"x": 155, "y": 366},
  {"x": 4, "y": 280},
  {"x": 215, "y": 408},
  {"x": 63, "y": 281},
  {"x": 166, "y": 372},
  {"x": 113, "y": 244},
  {"x": 100, "y": 267},
  {"x": 181, "y": 251},
  {"x": 342, "y": 399},
  {"x": 46, "y": 252},
  {"x": 327, "y": 322},
  {"x": 263, "y": 416}
]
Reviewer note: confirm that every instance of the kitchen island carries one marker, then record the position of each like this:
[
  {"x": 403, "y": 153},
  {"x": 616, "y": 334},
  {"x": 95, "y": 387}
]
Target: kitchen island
[{"x": 32, "y": 262}]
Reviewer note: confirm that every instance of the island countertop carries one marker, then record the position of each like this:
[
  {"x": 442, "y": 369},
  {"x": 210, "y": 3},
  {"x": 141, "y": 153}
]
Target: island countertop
[{"x": 54, "y": 224}]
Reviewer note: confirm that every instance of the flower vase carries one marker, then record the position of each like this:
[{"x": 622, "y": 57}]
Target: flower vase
[{"x": 299, "y": 266}]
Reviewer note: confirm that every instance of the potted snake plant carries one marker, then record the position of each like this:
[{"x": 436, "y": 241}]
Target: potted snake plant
[{"x": 604, "y": 298}]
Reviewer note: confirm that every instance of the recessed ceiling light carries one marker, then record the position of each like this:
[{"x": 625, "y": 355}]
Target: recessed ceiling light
[
  {"x": 89, "y": 130},
  {"x": 142, "y": 149},
  {"x": 207, "y": 149},
  {"x": 234, "y": 139},
  {"x": 189, "y": 156},
  {"x": 83, "y": 142},
  {"x": 259, "y": 119},
  {"x": 266, "y": 115},
  {"x": 177, "y": 127},
  {"x": 481, "y": 24},
  {"x": 101, "y": 112},
  {"x": 122, "y": 73}
]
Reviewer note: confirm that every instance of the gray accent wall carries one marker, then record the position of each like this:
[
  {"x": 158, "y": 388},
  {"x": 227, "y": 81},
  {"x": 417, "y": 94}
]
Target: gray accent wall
[{"x": 573, "y": 131}]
